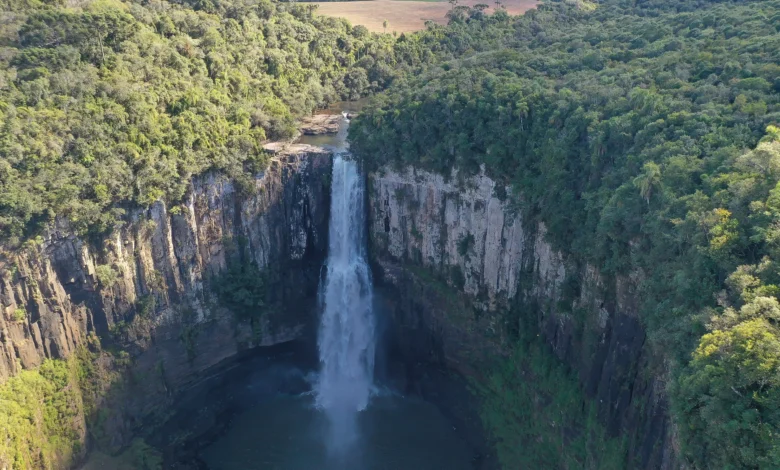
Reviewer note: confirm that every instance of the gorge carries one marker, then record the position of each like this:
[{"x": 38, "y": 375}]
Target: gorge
[
  {"x": 444, "y": 306},
  {"x": 542, "y": 241},
  {"x": 352, "y": 422},
  {"x": 193, "y": 365}
]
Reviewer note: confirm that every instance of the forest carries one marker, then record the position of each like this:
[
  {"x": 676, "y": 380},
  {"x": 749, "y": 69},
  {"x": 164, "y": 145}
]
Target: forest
[
  {"x": 123, "y": 102},
  {"x": 644, "y": 136}
]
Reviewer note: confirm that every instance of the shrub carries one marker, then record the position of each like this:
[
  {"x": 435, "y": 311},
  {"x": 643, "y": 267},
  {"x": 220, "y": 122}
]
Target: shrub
[
  {"x": 20, "y": 314},
  {"x": 106, "y": 275},
  {"x": 41, "y": 417}
]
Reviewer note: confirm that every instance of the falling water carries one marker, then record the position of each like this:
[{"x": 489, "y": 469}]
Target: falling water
[{"x": 346, "y": 337}]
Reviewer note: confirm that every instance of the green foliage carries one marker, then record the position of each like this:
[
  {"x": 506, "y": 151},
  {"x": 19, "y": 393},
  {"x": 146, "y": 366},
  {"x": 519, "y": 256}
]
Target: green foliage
[
  {"x": 643, "y": 135},
  {"x": 734, "y": 380},
  {"x": 89, "y": 381},
  {"x": 106, "y": 275},
  {"x": 242, "y": 289},
  {"x": 119, "y": 101},
  {"x": 20, "y": 314},
  {"x": 145, "y": 305},
  {"x": 534, "y": 410},
  {"x": 41, "y": 418}
]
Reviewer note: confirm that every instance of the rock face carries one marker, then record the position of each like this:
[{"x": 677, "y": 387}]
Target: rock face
[
  {"x": 146, "y": 286},
  {"x": 460, "y": 232},
  {"x": 320, "y": 124}
]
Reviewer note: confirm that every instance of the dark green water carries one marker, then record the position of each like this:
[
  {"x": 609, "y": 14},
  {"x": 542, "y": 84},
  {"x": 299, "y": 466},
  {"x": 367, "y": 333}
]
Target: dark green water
[{"x": 288, "y": 433}]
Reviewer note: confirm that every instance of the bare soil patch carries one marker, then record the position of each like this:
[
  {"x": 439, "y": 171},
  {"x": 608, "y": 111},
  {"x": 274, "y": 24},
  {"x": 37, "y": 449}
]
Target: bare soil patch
[{"x": 404, "y": 16}]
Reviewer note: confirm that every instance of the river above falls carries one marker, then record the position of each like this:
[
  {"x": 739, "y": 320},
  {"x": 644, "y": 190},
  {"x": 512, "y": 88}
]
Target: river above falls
[{"x": 336, "y": 142}]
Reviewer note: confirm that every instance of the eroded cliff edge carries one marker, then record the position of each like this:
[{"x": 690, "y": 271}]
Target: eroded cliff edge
[
  {"x": 467, "y": 272},
  {"x": 145, "y": 289}
]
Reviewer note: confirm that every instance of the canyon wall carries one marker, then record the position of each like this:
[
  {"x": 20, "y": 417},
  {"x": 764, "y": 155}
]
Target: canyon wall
[
  {"x": 145, "y": 288},
  {"x": 432, "y": 237}
]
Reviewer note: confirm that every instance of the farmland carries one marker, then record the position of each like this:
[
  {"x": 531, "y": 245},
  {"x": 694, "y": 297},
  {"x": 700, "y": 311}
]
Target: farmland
[{"x": 404, "y": 16}]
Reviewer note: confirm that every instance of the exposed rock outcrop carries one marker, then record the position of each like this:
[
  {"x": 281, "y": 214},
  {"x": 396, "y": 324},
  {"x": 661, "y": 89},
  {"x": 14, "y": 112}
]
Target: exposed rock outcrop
[
  {"x": 319, "y": 124},
  {"x": 154, "y": 272},
  {"x": 462, "y": 233}
]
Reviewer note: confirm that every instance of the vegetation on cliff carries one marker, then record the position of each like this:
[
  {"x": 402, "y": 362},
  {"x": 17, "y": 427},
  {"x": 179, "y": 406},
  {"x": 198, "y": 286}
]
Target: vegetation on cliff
[
  {"x": 49, "y": 416},
  {"x": 41, "y": 417},
  {"x": 644, "y": 137},
  {"x": 533, "y": 407},
  {"x": 113, "y": 102}
]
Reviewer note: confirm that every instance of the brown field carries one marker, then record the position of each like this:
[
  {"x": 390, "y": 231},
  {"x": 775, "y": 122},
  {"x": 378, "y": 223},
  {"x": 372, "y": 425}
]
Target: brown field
[{"x": 402, "y": 15}]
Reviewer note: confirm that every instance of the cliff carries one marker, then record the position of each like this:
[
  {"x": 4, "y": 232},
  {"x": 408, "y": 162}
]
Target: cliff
[
  {"x": 145, "y": 288},
  {"x": 462, "y": 233}
]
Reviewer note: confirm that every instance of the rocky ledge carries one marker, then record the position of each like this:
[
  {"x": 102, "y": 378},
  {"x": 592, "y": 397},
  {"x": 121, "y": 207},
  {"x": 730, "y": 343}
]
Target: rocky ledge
[{"x": 320, "y": 124}]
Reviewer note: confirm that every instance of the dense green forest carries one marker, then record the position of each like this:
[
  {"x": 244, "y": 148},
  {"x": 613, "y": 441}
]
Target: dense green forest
[
  {"x": 115, "y": 102},
  {"x": 644, "y": 136}
]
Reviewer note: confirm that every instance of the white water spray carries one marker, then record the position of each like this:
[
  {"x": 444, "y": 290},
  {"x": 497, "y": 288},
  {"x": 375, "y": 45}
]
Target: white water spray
[{"x": 346, "y": 337}]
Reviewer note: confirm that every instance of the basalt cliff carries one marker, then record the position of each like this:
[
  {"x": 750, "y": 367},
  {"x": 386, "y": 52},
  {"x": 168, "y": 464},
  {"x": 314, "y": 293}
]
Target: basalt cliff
[
  {"x": 468, "y": 271},
  {"x": 146, "y": 288}
]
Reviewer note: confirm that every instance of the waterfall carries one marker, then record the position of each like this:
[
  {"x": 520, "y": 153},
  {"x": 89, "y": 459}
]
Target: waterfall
[{"x": 346, "y": 336}]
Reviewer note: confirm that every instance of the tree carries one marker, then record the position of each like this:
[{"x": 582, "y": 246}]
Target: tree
[
  {"x": 734, "y": 380},
  {"x": 458, "y": 14},
  {"x": 649, "y": 180}
]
